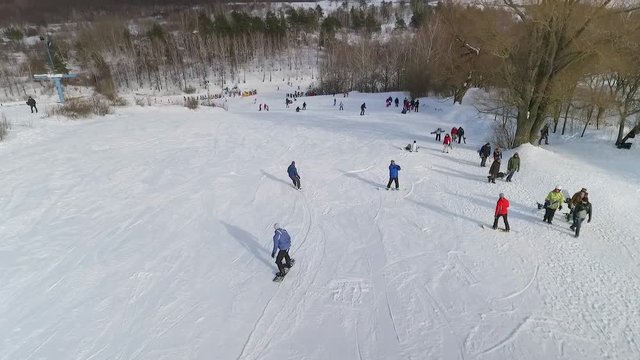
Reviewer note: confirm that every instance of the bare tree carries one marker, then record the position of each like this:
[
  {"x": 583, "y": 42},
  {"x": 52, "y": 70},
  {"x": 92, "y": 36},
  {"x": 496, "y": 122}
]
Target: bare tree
[{"x": 545, "y": 43}]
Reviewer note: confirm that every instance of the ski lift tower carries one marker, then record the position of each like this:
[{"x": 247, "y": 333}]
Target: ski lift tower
[{"x": 55, "y": 78}]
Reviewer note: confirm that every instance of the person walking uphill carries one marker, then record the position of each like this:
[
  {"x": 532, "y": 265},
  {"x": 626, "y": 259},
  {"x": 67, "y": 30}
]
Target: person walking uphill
[
  {"x": 575, "y": 200},
  {"x": 293, "y": 174},
  {"x": 447, "y": 143},
  {"x": 461, "y": 135},
  {"x": 580, "y": 212},
  {"x": 32, "y": 104},
  {"x": 281, "y": 244},
  {"x": 544, "y": 134},
  {"x": 484, "y": 152},
  {"x": 497, "y": 153},
  {"x": 494, "y": 170},
  {"x": 512, "y": 166},
  {"x": 502, "y": 208},
  {"x": 393, "y": 175},
  {"x": 552, "y": 203}
]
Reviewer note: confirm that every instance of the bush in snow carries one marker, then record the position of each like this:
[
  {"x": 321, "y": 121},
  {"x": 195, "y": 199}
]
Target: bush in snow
[
  {"x": 504, "y": 132},
  {"x": 191, "y": 103},
  {"x": 140, "y": 101},
  {"x": 13, "y": 34},
  {"x": 189, "y": 90},
  {"x": 5, "y": 126},
  {"x": 83, "y": 108},
  {"x": 119, "y": 101}
]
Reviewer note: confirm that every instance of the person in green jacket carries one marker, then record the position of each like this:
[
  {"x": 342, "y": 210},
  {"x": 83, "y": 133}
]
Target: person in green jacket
[
  {"x": 552, "y": 203},
  {"x": 512, "y": 166}
]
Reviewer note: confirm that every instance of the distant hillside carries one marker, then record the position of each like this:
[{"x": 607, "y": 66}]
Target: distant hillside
[{"x": 41, "y": 12}]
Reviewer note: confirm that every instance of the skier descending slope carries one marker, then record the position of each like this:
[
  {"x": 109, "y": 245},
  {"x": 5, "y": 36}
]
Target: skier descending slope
[
  {"x": 281, "y": 244},
  {"x": 393, "y": 175},
  {"x": 293, "y": 174}
]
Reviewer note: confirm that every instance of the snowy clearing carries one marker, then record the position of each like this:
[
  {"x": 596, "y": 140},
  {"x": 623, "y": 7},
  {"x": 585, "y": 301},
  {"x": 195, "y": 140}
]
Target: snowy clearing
[{"x": 147, "y": 235}]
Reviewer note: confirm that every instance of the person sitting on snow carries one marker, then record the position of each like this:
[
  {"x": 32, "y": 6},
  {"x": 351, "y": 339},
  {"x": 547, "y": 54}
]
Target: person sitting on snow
[{"x": 412, "y": 147}]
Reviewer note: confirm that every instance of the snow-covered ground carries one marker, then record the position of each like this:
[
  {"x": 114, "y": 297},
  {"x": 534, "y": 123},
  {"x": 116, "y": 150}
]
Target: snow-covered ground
[{"x": 146, "y": 235}]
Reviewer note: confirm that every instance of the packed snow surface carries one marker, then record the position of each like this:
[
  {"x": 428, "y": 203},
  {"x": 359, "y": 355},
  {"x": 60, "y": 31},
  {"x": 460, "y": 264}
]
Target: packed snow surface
[{"x": 147, "y": 235}]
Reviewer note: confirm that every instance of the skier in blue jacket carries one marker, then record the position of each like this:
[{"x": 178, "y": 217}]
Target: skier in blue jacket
[
  {"x": 293, "y": 174},
  {"x": 393, "y": 174},
  {"x": 281, "y": 243}
]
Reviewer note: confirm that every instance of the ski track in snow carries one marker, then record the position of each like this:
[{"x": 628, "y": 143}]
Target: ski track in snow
[{"x": 147, "y": 234}]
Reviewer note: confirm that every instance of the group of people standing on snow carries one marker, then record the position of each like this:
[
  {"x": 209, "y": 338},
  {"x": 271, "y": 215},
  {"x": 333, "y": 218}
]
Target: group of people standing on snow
[
  {"x": 513, "y": 165},
  {"x": 407, "y": 105},
  {"x": 457, "y": 133},
  {"x": 579, "y": 207}
]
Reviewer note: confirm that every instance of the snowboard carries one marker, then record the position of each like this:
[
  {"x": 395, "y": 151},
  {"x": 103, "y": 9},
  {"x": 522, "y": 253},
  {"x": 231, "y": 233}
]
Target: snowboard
[
  {"x": 390, "y": 189},
  {"x": 279, "y": 278},
  {"x": 487, "y": 227}
]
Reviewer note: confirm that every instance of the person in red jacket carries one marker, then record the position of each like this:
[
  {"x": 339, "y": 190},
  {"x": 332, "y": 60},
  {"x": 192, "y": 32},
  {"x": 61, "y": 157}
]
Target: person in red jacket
[
  {"x": 447, "y": 143},
  {"x": 502, "y": 208},
  {"x": 454, "y": 133}
]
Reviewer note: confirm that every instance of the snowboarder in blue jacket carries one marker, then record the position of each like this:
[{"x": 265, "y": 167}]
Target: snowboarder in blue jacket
[
  {"x": 393, "y": 174},
  {"x": 281, "y": 244},
  {"x": 293, "y": 174}
]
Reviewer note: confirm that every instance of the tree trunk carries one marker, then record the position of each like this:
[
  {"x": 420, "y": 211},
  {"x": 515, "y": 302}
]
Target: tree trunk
[
  {"x": 459, "y": 93},
  {"x": 601, "y": 110},
  {"x": 623, "y": 120},
  {"x": 523, "y": 130},
  {"x": 631, "y": 134},
  {"x": 589, "y": 117},
  {"x": 557, "y": 109},
  {"x": 566, "y": 115}
]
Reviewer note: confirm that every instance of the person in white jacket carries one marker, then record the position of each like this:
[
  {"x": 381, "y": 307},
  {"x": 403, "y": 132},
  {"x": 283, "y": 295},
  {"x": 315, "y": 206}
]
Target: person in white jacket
[{"x": 412, "y": 147}]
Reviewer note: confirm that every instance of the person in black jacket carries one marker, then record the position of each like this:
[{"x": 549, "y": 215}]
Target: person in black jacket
[
  {"x": 580, "y": 212},
  {"x": 293, "y": 175},
  {"x": 32, "y": 104},
  {"x": 494, "y": 170},
  {"x": 484, "y": 152},
  {"x": 461, "y": 135},
  {"x": 544, "y": 134}
]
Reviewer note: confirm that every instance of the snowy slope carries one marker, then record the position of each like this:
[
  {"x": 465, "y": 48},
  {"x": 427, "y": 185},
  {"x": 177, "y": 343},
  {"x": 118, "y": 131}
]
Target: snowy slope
[{"x": 146, "y": 235}]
